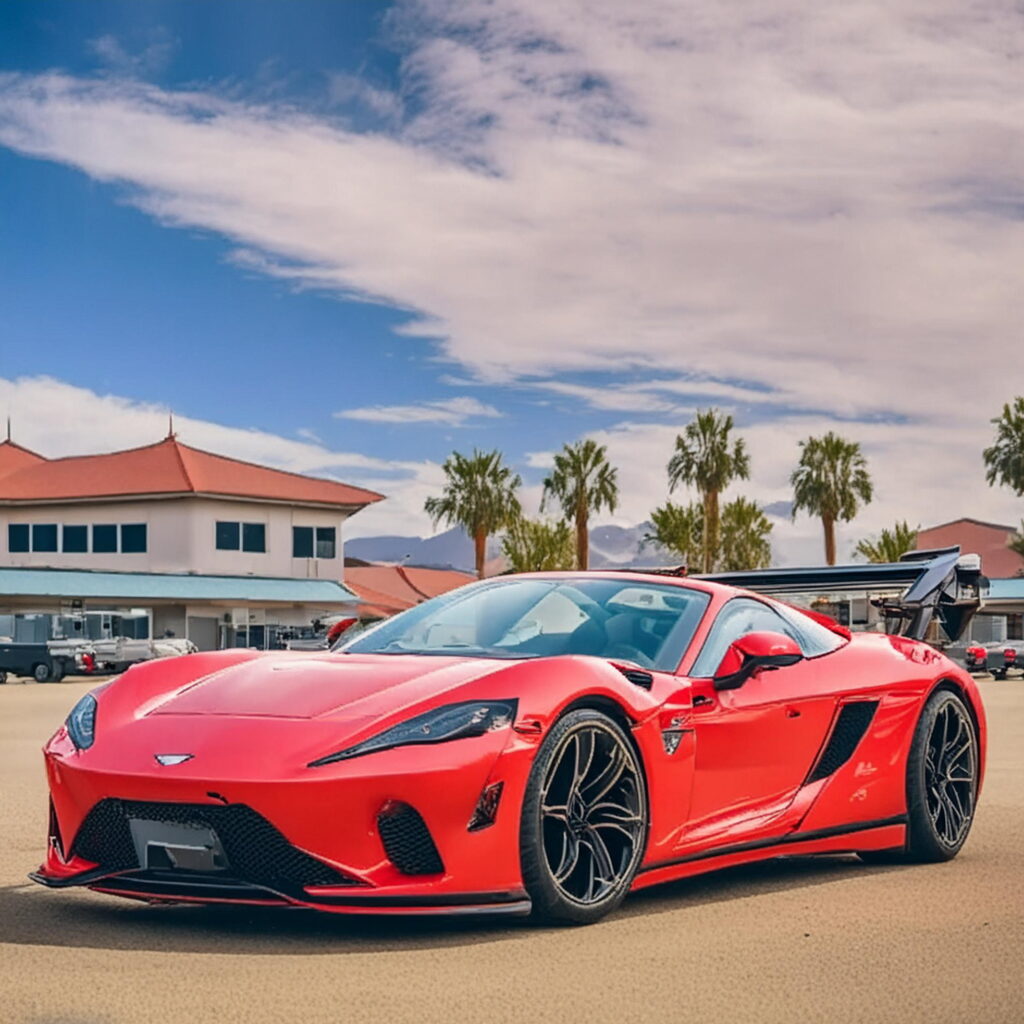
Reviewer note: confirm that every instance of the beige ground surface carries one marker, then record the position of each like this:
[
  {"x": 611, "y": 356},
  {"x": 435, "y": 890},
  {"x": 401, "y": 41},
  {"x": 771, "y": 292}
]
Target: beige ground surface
[{"x": 798, "y": 940}]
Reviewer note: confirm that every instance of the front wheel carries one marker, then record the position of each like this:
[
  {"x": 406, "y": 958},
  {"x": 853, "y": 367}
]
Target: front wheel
[
  {"x": 942, "y": 782},
  {"x": 584, "y": 823},
  {"x": 41, "y": 672}
]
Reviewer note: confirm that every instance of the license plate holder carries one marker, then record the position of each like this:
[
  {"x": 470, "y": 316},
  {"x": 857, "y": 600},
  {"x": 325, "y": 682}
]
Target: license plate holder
[{"x": 175, "y": 846}]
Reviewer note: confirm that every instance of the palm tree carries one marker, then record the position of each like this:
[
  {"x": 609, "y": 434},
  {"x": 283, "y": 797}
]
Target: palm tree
[
  {"x": 533, "y": 545},
  {"x": 745, "y": 537},
  {"x": 679, "y": 529},
  {"x": 1005, "y": 459},
  {"x": 890, "y": 543},
  {"x": 582, "y": 481},
  {"x": 705, "y": 458},
  {"x": 479, "y": 495},
  {"x": 830, "y": 481}
]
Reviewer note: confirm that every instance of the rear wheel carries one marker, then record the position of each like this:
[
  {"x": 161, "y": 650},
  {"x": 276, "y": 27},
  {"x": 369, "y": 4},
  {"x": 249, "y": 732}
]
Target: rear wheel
[
  {"x": 41, "y": 672},
  {"x": 942, "y": 783},
  {"x": 584, "y": 823}
]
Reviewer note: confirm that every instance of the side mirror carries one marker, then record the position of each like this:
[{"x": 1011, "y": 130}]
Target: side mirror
[{"x": 754, "y": 653}]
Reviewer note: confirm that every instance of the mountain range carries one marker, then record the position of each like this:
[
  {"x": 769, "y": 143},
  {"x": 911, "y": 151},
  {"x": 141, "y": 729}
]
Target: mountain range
[{"x": 609, "y": 546}]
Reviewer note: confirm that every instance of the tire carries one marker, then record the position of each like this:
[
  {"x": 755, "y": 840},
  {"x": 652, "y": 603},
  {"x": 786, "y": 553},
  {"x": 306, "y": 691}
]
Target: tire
[
  {"x": 942, "y": 783},
  {"x": 584, "y": 821},
  {"x": 41, "y": 672},
  {"x": 3, "y": 678}
]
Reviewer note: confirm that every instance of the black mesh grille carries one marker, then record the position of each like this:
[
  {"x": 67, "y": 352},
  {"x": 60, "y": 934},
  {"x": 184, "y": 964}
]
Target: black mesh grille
[
  {"x": 851, "y": 724},
  {"x": 407, "y": 841},
  {"x": 255, "y": 850}
]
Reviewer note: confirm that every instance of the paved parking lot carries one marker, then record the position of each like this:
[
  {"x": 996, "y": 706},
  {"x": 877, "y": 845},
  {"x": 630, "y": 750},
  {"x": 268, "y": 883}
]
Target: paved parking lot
[{"x": 795, "y": 940}]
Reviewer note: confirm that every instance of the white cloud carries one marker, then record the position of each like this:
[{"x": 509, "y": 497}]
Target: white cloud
[
  {"x": 145, "y": 60},
  {"x": 56, "y": 419},
  {"x": 808, "y": 207},
  {"x": 452, "y": 412}
]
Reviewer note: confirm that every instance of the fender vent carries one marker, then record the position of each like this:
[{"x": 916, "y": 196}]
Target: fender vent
[
  {"x": 850, "y": 725},
  {"x": 637, "y": 676}
]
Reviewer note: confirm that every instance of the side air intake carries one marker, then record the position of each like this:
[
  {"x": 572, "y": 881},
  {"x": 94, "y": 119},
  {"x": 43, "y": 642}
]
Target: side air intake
[
  {"x": 407, "y": 840},
  {"x": 850, "y": 725}
]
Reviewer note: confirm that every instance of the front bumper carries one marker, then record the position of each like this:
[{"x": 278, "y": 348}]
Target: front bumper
[{"x": 325, "y": 820}]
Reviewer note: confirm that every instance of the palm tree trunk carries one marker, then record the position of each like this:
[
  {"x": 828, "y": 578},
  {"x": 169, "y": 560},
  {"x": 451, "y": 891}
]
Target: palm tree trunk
[
  {"x": 830, "y": 539},
  {"x": 710, "y": 530},
  {"x": 582, "y": 537},
  {"x": 480, "y": 546}
]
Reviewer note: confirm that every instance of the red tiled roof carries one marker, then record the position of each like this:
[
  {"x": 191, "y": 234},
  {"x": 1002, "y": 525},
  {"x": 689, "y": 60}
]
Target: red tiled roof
[
  {"x": 975, "y": 537},
  {"x": 13, "y": 457},
  {"x": 387, "y": 589},
  {"x": 168, "y": 467}
]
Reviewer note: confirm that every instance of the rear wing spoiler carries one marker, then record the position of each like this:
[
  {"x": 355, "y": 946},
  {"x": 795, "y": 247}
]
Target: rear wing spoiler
[{"x": 935, "y": 584}]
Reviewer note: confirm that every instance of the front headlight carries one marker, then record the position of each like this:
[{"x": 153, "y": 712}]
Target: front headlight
[
  {"x": 81, "y": 723},
  {"x": 452, "y": 722}
]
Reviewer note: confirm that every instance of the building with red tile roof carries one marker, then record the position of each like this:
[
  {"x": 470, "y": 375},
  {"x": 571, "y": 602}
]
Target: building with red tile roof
[
  {"x": 989, "y": 540},
  {"x": 167, "y": 468},
  {"x": 165, "y": 511},
  {"x": 385, "y": 590}
]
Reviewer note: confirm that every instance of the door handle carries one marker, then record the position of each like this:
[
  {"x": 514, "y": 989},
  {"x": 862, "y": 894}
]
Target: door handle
[
  {"x": 700, "y": 701},
  {"x": 792, "y": 713}
]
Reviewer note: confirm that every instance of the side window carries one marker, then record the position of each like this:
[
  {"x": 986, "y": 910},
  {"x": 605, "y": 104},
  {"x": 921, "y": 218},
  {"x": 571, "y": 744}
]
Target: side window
[
  {"x": 813, "y": 638},
  {"x": 740, "y": 616}
]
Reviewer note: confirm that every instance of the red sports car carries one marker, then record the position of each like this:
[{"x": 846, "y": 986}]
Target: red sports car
[{"x": 541, "y": 743}]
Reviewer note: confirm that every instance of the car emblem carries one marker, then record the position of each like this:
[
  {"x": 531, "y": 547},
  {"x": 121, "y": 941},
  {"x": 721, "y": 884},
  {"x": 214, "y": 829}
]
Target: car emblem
[{"x": 172, "y": 759}]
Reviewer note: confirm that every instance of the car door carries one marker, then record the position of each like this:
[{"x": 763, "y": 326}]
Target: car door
[{"x": 754, "y": 745}]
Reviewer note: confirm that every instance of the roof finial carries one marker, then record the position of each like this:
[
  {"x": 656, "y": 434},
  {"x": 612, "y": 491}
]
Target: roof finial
[
  {"x": 170, "y": 427},
  {"x": 8, "y": 426}
]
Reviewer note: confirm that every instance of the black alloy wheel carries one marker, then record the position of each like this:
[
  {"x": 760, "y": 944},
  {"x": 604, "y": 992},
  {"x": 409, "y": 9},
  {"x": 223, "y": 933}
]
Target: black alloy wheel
[
  {"x": 584, "y": 824},
  {"x": 942, "y": 782}
]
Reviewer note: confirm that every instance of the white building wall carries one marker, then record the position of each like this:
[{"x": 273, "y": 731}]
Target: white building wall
[{"x": 181, "y": 537}]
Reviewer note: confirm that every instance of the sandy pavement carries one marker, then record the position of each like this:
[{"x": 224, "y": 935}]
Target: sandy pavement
[{"x": 796, "y": 940}]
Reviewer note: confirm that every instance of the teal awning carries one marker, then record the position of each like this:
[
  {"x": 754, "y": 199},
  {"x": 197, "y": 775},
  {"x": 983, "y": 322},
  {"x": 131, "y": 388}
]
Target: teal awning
[{"x": 84, "y": 584}]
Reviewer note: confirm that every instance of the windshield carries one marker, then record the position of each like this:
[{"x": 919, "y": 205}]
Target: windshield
[{"x": 518, "y": 617}]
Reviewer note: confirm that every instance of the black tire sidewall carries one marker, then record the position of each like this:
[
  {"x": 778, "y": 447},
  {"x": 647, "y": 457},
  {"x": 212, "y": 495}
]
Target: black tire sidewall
[
  {"x": 549, "y": 904},
  {"x": 923, "y": 842},
  {"x": 44, "y": 676}
]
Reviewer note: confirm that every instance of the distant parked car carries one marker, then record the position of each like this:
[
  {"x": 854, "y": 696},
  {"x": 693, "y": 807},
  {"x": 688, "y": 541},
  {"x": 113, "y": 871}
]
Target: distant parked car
[
  {"x": 1009, "y": 660},
  {"x": 35, "y": 660},
  {"x": 976, "y": 658}
]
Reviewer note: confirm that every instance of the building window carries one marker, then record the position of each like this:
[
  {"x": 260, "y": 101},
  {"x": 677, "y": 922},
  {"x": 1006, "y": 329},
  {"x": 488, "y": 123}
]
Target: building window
[
  {"x": 302, "y": 542},
  {"x": 133, "y": 538},
  {"x": 254, "y": 537},
  {"x": 325, "y": 541},
  {"x": 17, "y": 537},
  {"x": 44, "y": 536},
  {"x": 104, "y": 538},
  {"x": 228, "y": 536},
  {"x": 75, "y": 539},
  {"x": 241, "y": 536}
]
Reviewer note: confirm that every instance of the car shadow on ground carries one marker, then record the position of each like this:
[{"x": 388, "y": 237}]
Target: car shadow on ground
[{"x": 34, "y": 916}]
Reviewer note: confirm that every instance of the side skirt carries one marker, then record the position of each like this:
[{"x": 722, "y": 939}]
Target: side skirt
[{"x": 885, "y": 834}]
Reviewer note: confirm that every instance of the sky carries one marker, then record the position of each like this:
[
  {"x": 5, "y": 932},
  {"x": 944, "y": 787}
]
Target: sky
[{"x": 347, "y": 238}]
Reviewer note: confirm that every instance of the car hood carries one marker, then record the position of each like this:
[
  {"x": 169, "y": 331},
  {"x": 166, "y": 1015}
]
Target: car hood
[{"x": 323, "y": 686}]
